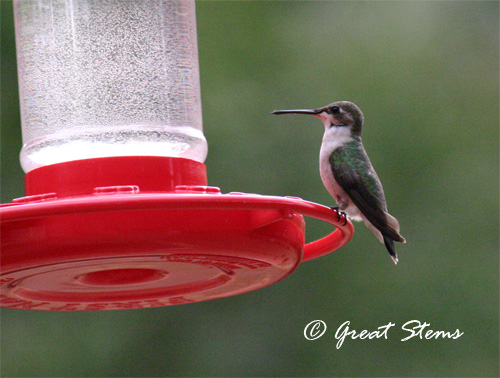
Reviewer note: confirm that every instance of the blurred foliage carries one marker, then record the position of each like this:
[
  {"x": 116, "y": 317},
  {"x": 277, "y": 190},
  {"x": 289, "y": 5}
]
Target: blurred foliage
[{"x": 426, "y": 75}]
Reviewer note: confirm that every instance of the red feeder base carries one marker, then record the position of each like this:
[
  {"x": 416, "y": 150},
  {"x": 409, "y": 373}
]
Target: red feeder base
[{"x": 138, "y": 232}]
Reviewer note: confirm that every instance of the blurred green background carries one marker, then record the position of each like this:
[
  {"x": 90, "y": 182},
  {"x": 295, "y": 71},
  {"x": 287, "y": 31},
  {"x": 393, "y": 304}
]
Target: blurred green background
[{"x": 426, "y": 75}]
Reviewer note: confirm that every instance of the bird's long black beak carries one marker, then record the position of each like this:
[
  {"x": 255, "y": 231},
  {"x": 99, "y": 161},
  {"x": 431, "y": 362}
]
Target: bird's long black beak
[{"x": 297, "y": 111}]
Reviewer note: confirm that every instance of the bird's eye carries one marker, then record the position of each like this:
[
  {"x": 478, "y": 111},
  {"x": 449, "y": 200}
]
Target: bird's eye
[{"x": 335, "y": 109}]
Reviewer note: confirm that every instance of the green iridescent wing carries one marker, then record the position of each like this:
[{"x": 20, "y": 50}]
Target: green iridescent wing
[{"x": 353, "y": 171}]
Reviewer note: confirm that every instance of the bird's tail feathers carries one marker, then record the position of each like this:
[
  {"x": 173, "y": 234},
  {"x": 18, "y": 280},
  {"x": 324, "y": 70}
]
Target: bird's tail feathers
[
  {"x": 388, "y": 229},
  {"x": 389, "y": 244},
  {"x": 393, "y": 226},
  {"x": 388, "y": 240}
]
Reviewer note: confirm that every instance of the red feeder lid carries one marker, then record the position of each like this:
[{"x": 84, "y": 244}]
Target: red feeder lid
[{"x": 138, "y": 232}]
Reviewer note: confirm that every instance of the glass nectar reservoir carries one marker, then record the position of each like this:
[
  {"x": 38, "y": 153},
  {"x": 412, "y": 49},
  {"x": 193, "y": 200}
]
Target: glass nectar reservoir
[{"x": 102, "y": 78}]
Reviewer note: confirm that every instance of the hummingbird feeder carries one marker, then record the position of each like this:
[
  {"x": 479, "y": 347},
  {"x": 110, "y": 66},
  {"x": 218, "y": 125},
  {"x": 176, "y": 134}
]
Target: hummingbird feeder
[{"x": 117, "y": 213}]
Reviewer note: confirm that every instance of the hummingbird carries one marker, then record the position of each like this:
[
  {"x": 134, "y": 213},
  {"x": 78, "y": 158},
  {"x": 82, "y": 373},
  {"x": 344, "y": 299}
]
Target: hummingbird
[{"x": 348, "y": 174}]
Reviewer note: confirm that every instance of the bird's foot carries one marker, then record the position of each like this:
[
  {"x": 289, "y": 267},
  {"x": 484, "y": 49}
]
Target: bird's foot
[{"x": 340, "y": 215}]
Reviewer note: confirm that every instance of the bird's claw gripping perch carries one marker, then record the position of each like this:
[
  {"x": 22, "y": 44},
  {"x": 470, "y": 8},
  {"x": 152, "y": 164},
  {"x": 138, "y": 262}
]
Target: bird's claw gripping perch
[{"x": 340, "y": 214}]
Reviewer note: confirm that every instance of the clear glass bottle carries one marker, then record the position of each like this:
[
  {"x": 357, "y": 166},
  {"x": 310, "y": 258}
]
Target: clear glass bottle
[{"x": 102, "y": 78}]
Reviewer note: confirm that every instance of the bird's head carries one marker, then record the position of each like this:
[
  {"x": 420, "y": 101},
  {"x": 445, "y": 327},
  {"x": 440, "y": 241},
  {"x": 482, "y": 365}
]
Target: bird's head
[{"x": 339, "y": 114}]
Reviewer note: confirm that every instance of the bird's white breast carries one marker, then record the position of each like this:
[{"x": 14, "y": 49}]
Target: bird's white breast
[{"x": 333, "y": 138}]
